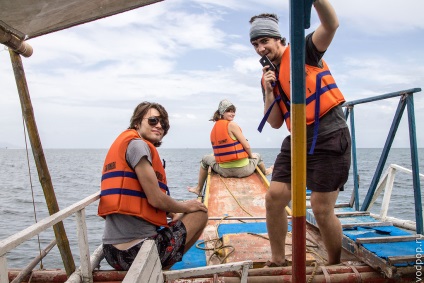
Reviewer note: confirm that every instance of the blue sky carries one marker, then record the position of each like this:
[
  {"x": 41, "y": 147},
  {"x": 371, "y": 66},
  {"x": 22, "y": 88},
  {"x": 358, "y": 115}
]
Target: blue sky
[{"x": 188, "y": 55}]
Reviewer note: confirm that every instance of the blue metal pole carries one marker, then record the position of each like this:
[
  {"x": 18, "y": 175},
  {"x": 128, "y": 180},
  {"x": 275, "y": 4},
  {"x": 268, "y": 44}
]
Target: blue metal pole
[
  {"x": 381, "y": 97},
  {"x": 415, "y": 166},
  {"x": 385, "y": 153},
  {"x": 355, "y": 163}
]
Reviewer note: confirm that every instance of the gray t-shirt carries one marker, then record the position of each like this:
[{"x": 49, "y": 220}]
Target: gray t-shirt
[
  {"x": 121, "y": 228},
  {"x": 334, "y": 119}
]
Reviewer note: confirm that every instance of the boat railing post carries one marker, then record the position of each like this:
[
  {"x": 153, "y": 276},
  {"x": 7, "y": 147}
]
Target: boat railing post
[
  {"x": 388, "y": 188},
  {"x": 146, "y": 266},
  {"x": 385, "y": 153},
  {"x": 415, "y": 166},
  {"x": 87, "y": 275},
  {"x": 4, "y": 275},
  {"x": 350, "y": 109}
]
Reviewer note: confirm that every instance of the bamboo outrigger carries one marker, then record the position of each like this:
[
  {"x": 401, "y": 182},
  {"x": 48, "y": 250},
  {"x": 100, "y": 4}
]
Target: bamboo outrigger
[{"x": 361, "y": 263}]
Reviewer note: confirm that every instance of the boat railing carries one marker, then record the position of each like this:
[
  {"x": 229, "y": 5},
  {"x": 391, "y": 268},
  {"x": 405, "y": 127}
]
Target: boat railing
[
  {"x": 77, "y": 209},
  {"x": 406, "y": 101},
  {"x": 386, "y": 184},
  {"x": 140, "y": 270}
]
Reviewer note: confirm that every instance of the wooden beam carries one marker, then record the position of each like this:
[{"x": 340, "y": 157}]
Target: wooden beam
[
  {"x": 386, "y": 239},
  {"x": 146, "y": 266},
  {"x": 366, "y": 224},
  {"x": 351, "y": 213},
  {"x": 13, "y": 42},
  {"x": 208, "y": 270}
]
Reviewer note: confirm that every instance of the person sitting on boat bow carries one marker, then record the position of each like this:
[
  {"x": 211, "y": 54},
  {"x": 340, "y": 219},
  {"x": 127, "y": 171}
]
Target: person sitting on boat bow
[
  {"x": 232, "y": 156},
  {"x": 135, "y": 199},
  {"x": 328, "y": 160}
]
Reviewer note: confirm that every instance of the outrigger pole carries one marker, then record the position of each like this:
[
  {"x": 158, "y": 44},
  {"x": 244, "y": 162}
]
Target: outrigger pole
[
  {"x": 300, "y": 14},
  {"x": 39, "y": 158}
]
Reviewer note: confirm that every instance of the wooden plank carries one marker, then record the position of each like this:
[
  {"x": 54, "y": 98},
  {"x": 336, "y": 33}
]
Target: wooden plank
[
  {"x": 156, "y": 276},
  {"x": 337, "y": 205},
  {"x": 145, "y": 265},
  {"x": 29, "y": 268},
  {"x": 15, "y": 240},
  {"x": 402, "y": 259},
  {"x": 351, "y": 213},
  {"x": 87, "y": 275},
  {"x": 244, "y": 249},
  {"x": 4, "y": 277},
  {"x": 207, "y": 270},
  {"x": 95, "y": 260},
  {"x": 386, "y": 239},
  {"x": 375, "y": 262},
  {"x": 366, "y": 224},
  {"x": 236, "y": 197}
]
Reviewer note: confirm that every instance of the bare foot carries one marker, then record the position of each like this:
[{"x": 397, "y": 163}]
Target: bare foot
[
  {"x": 194, "y": 190},
  {"x": 269, "y": 170}
]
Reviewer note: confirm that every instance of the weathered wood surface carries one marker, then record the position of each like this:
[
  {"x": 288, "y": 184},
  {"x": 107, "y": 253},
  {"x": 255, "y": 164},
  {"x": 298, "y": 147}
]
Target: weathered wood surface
[
  {"x": 236, "y": 196},
  {"x": 146, "y": 267}
]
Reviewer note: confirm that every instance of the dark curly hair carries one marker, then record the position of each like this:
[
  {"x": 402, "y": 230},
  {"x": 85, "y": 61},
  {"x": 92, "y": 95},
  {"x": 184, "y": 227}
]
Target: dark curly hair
[{"x": 142, "y": 109}]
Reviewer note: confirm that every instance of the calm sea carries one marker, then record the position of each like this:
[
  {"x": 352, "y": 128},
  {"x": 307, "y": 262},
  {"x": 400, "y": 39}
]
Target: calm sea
[{"x": 75, "y": 175}]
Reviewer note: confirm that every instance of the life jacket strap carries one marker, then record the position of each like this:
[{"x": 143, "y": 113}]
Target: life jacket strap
[
  {"x": 268, "y": 112},
  {"x": 318, "y": 93}
]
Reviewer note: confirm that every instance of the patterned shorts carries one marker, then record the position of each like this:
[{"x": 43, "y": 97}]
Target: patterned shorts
[{"x": 170, "y": 242}]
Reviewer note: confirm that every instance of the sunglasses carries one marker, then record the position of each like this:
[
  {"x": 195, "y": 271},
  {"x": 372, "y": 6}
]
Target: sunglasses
[{"x": 153, "y": 121}]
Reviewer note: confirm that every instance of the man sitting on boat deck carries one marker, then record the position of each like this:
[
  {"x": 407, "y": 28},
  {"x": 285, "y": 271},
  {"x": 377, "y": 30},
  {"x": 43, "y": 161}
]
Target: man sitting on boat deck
[
  {"x": 232, "y": 156},
  {"x": 328, "y": 159},
  {"x": 135, "y": 199}
]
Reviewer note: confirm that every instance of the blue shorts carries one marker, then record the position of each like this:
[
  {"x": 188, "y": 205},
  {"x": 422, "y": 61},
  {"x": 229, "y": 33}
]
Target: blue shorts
[{"x": 170, "y": 242}]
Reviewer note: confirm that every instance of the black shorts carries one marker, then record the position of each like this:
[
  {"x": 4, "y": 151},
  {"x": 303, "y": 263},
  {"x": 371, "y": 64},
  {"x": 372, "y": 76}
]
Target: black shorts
[
  {"x": 327, "y": 169},
  {"x": 169, "y": 241}
]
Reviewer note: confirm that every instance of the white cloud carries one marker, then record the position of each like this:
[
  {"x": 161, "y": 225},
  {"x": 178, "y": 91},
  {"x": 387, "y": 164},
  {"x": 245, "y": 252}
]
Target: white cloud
[
  {"x": 381, "y": 17},
  {"x": 84, "y": 82}
]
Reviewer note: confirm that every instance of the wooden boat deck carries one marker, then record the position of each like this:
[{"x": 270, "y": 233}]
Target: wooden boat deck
[
  {"x": 235, "y": 244},
  {"x": 381, "y": 245},
  {"x": 244, "y": 237}
]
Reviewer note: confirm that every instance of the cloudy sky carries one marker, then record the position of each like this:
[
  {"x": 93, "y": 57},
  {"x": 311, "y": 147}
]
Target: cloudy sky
[{"x": 187, "y": 55}]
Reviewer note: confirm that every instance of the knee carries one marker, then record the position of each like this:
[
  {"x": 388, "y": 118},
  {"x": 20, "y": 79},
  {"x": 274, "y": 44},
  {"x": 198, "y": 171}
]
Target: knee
[
  {"x": 322, "y": 213},
  {"x": 269, "y": 199},
  {"x": 203, "y": 218},
  {"x": 274, "y": 200}
]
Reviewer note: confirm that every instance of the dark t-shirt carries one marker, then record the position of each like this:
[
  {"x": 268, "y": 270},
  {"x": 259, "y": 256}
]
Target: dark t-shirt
[{"x": 334, "y": 119}]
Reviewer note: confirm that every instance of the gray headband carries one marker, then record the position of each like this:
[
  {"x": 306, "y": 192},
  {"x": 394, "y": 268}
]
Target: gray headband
[{"x": 264, "y": 27}]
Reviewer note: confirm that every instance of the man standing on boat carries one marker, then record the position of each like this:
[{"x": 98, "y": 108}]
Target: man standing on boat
[
  {"x": 328, "y": 159},
  {"x": 135, "y": 199}
]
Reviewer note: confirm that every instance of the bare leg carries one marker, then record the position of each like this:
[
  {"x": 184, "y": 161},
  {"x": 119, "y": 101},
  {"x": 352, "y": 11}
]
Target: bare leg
[
  {"x": 265, "y": 170},
  {"x": 203, "y": 174},
  {"x": 276, "y": 199},
  {"x": 329, "y": 225},
  {"x": 195, "y": 223}
]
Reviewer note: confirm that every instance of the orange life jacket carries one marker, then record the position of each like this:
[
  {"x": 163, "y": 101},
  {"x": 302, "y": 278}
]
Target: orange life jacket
[
  {"x": 322, "y": 93},
  {"x": 121, "y": 191},
  {"x": 224, "y": 147}
]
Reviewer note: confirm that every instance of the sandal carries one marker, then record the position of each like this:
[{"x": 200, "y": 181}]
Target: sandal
[{"x": 273, "y": 264}]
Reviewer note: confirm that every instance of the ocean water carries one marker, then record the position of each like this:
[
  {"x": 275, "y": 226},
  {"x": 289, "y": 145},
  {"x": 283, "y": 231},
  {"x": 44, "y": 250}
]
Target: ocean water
[{"x": 76, "y": 173}]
